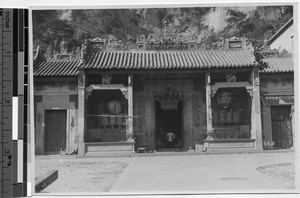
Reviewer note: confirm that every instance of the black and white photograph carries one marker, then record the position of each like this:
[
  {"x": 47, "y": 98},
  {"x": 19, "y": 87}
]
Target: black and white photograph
[{"x": 165, "y": 100}]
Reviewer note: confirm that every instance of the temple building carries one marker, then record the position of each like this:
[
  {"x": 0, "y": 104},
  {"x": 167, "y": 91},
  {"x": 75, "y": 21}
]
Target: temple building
[{"x": 163, "y": 92}]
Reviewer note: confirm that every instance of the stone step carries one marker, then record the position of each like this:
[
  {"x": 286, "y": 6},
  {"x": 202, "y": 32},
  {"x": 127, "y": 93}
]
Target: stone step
[{"x": 109, "y": 147}]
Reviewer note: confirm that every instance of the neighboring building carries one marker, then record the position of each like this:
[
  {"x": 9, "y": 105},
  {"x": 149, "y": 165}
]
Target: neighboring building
[
  {"x": 283, "y": 40},
  {"x": 277, "y": 90},
  {"x": 115, "y": 97},
  {"x": 56, "y": 105}
]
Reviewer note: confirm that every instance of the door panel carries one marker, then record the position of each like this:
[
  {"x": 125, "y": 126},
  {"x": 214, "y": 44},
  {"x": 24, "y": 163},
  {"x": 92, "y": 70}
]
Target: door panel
[
  {"x": 55, "y": 131},
  {"x": 282, "y": 135}
]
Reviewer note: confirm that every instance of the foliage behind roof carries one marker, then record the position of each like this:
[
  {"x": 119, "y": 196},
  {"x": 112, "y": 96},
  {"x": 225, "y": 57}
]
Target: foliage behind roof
[{"x": 280, "y": 31}]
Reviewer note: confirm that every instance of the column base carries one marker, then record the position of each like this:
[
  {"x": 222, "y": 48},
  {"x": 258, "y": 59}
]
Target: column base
[
  {"x": 210, "y": 135},
  {"x": 130, "y": 137}
]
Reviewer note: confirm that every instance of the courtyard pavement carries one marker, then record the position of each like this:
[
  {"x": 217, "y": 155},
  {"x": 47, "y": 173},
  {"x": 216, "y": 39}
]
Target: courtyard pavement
[
  {"x": 220, "y": 173},
  {"x": 189, "y": 174}
]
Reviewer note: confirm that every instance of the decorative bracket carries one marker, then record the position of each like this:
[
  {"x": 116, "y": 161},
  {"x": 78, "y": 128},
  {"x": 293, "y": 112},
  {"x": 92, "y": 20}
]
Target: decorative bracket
[
  {"x": 213, "y": 93},
  {"x": 125, "y": 93},
  {"x": 250, "y": 91}
]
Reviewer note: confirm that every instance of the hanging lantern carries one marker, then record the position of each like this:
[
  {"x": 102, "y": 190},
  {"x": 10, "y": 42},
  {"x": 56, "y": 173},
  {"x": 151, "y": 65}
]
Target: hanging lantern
[{"x": 169, "y": 102}]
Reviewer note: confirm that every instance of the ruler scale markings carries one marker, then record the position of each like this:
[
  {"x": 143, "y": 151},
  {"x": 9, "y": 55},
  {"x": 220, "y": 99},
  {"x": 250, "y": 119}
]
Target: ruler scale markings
[
  {"x": 20, "y": 84},
  {"x": 13, "y": 105},
  {"x": 26, "y": 45},
  {"x": 7, "y": 74},
  {"x": 25, "y": 129},
  {"x": 20, "y": 163},
  {"x": 15, "y": 110},
  {"x": 1, "y": 125},
  {"x": 15, "y": 162},
  {"x": 21, "y": 31},
  {"x": 15, "y": 52}
]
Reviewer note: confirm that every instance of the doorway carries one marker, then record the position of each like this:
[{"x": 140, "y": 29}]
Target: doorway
[
  {"x": 168, "y": 128},
  {"x": 282, "y": 134},
  {"x": 55, "y": 131}
]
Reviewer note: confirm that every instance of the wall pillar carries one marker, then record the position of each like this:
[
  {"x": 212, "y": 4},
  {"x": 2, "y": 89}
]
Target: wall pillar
[
  {"x": 129, "y": 132},
  {"x": 209, "y": 132},
  {"x": 81, "y": 112},
  {"x": 256, "y": 128},
  {"x": 293, "y": 124}
]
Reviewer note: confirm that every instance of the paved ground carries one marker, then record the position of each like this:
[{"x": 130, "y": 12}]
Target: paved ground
[
  {"x": 218, "y": 173},
  {"x": 203, "y": 173}
]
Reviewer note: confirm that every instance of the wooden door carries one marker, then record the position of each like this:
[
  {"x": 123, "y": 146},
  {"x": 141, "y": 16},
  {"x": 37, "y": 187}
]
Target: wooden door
[
  {"x": 55, "y": 131},
  {"x": 282, "y": 134}
]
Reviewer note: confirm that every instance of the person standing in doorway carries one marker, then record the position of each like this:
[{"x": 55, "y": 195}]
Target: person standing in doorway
[{"x": 170, "y": 136}]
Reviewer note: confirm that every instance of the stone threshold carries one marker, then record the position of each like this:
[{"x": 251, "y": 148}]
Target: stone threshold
[{"x": 185, "y": 153}]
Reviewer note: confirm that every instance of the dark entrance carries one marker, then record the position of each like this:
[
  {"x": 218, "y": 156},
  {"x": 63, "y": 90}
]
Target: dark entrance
[
  {"x": 168, "y": 127},
  {"x": 55, "y": 131},
  {"x": 282, "y": 133}
]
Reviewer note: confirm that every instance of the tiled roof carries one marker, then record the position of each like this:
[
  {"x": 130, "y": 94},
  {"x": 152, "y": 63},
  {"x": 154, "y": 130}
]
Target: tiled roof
[
  {"x": 169, "y": 59},
  {"x": 56, "y": 68},
  {"x": 278, "y": 65}
]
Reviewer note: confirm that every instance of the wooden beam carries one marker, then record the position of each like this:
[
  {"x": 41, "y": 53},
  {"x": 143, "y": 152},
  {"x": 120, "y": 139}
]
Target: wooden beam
[
  {"x": 218, "y": 85},
  {"x": 92, "y": 87},
  {"x": 169, "y": 71}
]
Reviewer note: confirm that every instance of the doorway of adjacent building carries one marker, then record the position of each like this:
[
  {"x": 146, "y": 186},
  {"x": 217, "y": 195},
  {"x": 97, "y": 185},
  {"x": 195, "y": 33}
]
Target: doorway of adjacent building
[
  {"x": 55, "y": 131},
  {"x": 168, "y": 128},
  {"x": 282, "y": 133}
]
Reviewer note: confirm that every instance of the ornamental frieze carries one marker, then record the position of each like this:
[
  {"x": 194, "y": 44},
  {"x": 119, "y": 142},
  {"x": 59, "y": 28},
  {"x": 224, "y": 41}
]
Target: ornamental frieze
[{"x": 167, "y": 41}]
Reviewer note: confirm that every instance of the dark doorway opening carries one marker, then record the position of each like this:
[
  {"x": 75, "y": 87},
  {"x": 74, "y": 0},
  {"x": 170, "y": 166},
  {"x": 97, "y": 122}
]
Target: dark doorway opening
[
  {"x": 55, "y": 131},
  {"x": 282, "y": 133},
  {"x": 168, "y": 128}
]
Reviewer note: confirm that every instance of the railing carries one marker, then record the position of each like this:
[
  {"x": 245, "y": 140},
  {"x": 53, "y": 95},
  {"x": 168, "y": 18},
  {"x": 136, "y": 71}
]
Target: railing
[
  {"x": 106, "y": 121},
  {"x": 229, "y": 124},
  {"x": 227, "y": 132}
]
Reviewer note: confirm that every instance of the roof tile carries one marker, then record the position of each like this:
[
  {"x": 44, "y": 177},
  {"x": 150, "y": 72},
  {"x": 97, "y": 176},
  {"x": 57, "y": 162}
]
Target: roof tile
[
  {"x": 150, "y": 60},
  {"x": 169, "y": 59},
  {"x": 56, "y": 68},
  {"x": 279, "y": 65}
]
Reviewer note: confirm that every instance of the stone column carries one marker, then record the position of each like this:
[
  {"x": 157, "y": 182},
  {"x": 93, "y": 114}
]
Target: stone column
[
  {"x": 293, "y": 124},
  {"x": 81, "y": 112},
  {"x": 209, "y": 132},
  {"x": 129, "y": 132},
  {"x": 256, "y": 128}
]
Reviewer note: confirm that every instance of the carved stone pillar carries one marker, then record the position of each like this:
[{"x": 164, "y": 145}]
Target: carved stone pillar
[
  {"x": 256, "y": 128},
  {"x": 129, "y": 132},
  {"x": 81, "y": 112},
  {"x": 209, "y": 132}
]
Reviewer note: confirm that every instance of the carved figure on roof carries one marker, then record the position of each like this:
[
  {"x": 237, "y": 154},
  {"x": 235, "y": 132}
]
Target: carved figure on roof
[
  {"x": 48, "y": 54},
  {"x": 168, "y": 40},
  {"x": 63, "y": 47}
]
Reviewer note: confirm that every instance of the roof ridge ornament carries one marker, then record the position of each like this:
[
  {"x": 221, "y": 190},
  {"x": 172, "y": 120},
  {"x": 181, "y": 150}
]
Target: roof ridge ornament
[
  {"x": 168, "y": 40},
  {"x": 63, "y": 54}
]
